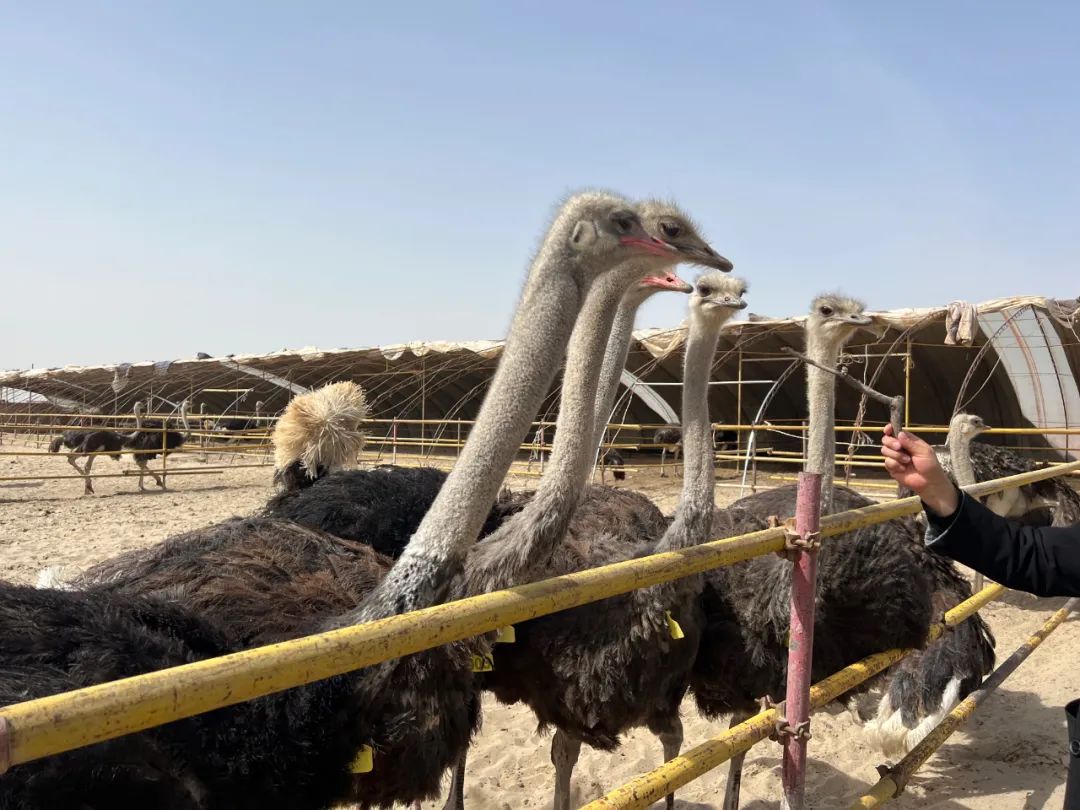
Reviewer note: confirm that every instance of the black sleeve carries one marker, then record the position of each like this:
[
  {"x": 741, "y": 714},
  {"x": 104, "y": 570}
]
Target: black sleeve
[{"x": 1040, "y": 560}]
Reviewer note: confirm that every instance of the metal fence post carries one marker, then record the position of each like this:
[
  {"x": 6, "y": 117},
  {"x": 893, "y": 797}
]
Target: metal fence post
[{"x": 801, "y": 641}]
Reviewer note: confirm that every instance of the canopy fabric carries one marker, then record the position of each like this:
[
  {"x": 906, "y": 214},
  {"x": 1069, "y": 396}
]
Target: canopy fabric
[{"x": 1026, "y": 377}]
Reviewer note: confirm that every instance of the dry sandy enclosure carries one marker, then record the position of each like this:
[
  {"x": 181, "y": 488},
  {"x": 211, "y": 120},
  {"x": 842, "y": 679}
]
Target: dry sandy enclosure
[{"x": 1011, "y": 755}]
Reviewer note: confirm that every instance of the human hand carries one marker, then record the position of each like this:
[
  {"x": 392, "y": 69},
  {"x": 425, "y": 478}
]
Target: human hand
[{"x": 913, "y": 464}]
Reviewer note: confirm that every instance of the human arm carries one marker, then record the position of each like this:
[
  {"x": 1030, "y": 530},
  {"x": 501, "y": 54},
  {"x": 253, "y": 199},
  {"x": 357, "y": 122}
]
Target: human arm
[{"x": 1043, "y": 561}]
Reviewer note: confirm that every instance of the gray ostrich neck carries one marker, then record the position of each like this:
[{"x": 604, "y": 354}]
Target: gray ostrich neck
[
  {"x": 523, "y": 544},
  {"x": 693, "y": 516},
  {"x": 538, "y": 337},
  {"x": 618, "y": 349},
  {"x": 821, "y": 404},
  {"x": 699, "y": 475},
  {"x": 963, "y": 469}
]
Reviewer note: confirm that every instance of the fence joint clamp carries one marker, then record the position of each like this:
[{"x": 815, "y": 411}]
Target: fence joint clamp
[
  {"x": 894, "y": 775},
  {"x": 782, "y": 730},
  {"x": 794, "y": 542}
]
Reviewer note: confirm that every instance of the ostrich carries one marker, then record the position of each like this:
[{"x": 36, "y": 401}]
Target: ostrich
[
  {"x": 318, "y": 433},
  {"x": 612, "y": 458},
  {"x": 670, "y": 438},
  {"x": 86, "y": 443},
  {"x": 596, "y": 671},
  {"x": 292, "y": 749},
  {"x": 970, "y": 462},
  {"x": 878, "y": 587},
  {"x": 237, "y": 424},
  {"x": 148, "y": 441}
]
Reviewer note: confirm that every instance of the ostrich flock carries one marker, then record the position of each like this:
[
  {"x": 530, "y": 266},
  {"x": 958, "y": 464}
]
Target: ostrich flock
[{"x": 337, "y": 546}]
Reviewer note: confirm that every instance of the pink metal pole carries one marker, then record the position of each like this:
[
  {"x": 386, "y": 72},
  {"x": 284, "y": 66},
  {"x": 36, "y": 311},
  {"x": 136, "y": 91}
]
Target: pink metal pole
[{"x": 801, "y": 641}]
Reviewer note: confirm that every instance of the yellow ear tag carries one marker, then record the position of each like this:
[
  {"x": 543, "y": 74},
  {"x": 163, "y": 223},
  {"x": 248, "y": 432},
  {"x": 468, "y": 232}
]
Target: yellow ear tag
[
  {"x": 673, "y": 626},
  {"x": 482, "y": 663},
  {"x": 364, "y": 762},
  {"x": 506, "y": 635}
]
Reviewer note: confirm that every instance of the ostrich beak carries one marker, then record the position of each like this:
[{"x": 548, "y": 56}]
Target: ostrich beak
[
  {"x": 668, "y": 281},
  {"x": 702, "y": 254},
  {"x": 654, "y": 247}
]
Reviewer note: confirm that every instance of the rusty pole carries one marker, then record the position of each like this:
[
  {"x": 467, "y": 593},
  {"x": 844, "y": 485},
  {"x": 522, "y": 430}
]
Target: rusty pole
[{"x": 801, "y": 639}]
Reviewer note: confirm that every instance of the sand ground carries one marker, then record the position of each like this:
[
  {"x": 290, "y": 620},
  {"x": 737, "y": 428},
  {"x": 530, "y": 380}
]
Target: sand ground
[{"x": 1011, "y": 755}]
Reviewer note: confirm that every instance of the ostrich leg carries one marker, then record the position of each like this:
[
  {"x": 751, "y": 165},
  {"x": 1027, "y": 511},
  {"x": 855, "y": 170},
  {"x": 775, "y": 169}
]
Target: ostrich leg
[
  {"x": 456, "y": 799},
  {"x": 140, "y": 462},
  {"x": 88, "y": 488},
  {"x": 663, "y": 458},
  {"x": 564, "y": 755},
  {"x": 671, "y": 737},
  {"x": 735, "y": 766}
]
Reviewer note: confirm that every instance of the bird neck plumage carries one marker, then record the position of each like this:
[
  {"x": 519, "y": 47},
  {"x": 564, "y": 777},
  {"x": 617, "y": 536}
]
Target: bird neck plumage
[
  {"x": 618, "y": 349},
  {"x": 524, "y": 543},
  {"x": 821, "y": 406},
  {"x": 693, "y": 516},
  {"x": 963, "y": 469}
]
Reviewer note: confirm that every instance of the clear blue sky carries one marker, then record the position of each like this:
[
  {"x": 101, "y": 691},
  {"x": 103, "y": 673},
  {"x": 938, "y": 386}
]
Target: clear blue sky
[{"x": 244, "y": 177}]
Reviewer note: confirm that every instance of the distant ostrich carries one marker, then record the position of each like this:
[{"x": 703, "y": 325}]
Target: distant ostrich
[
  {"x": 671, "y": 439},
  {"x": 613, "y": 458},
  {"x": 86, "y": 443},
  {"x": 293, "y": 749},
  {"x": 150, "y": 442},
  {"x": 878, "y": 587},
  {"x": 970, "y": 462},
  {"x": 238, "y": 424},
  {"x": 596, "y": 671}
]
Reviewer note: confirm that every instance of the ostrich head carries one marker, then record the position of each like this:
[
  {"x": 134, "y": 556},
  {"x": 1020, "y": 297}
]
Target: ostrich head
[
  {"x": 834, "y": 319},
  {"x": 670, "y": 224},
  {"x": 967, "y": 425},
  {"x": 604, "y": 230},
  {"x": 667, "y": 223},
  {"x": 717, "y": 297}
]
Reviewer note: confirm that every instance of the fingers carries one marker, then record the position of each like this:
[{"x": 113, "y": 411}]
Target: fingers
[
  {"x": 887, "y": 430},
  {"x": 894, "y": 467},
  {"x": 899, "y": 456},
  {"x": 912, "y": 443}
]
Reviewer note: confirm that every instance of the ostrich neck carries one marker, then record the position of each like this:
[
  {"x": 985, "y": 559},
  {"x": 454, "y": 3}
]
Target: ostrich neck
[
  {"x": 694, "y": 513},
  {"x": 524, "y": 543},
  {"x": 618, "y": 348},
  {"x": 963, "y": 469},
  {"x": 693, "y": 516},
  {"x": 821, "y": 405},
  {"x": 537, "y": 339}
]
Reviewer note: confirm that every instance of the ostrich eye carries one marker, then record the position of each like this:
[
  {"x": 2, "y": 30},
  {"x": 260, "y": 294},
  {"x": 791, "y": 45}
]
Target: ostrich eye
[
  {"x": 704, "y": 290},
  {"x": 826, "y": 311},
  {"x": 670, "y": 230},
  {"x": 624, "y": 222}
]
